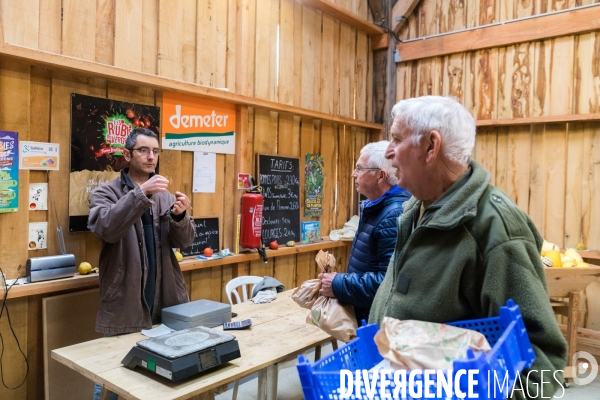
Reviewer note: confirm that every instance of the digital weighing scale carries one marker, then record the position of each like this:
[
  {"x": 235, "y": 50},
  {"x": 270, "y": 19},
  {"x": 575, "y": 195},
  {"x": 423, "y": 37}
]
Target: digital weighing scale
[{"x": 181, "y": 354}]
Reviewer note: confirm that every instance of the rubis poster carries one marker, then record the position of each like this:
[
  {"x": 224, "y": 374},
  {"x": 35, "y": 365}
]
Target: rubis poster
[{"x": 99, "y": 128}]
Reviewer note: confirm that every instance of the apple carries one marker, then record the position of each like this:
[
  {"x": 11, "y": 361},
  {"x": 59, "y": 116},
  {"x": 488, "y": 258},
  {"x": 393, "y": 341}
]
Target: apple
[
  {"x": 274, "y": 245},
  {"x": 208, "y": 252}
]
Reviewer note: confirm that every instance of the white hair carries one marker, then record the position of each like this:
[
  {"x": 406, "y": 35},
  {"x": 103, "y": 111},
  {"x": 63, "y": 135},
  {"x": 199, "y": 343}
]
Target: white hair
[
  {"x": 376, "y": 153},
  {"x": 444, "y": 115}
]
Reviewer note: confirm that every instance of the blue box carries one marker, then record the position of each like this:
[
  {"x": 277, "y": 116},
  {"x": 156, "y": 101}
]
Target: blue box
[
  {"x": 311, "y": 232},
  {"x": 511, "y": 351}
]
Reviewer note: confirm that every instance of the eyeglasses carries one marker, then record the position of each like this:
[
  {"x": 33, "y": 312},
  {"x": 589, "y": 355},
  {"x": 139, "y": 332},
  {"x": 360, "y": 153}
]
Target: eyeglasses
[
  {"x": 360, "y": 169},
  {"x": 145, "y": 151}
]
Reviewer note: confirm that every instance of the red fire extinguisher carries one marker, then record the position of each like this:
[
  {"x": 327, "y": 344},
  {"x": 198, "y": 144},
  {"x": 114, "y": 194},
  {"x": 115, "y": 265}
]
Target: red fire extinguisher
[{"x": 251, "y": 220}]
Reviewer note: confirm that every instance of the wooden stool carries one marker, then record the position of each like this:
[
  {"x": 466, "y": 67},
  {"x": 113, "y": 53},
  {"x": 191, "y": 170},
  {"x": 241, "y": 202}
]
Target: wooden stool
[{"x": 570, "y": 310}]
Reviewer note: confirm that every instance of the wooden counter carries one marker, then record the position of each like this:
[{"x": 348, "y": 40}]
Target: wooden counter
[
  {"x": 279, "y": 330},
  {"x": 188, "y": 264}
]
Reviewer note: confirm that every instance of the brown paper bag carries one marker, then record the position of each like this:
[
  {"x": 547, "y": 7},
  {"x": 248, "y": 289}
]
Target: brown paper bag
[
  {"x": 332, "y": 317},
  {"x": 326, "y": 313},
  {"x": 307, "y": 293},
  {"x": 411, "y": 344}
]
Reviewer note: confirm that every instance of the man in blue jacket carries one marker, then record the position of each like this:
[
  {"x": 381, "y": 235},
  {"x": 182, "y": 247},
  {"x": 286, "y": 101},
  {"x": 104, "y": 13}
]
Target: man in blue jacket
[{"x": 375, "y": 239}]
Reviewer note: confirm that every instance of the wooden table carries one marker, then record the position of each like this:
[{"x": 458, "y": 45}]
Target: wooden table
[
  {"x": 568, "y": 282},
  {"x": 278, "y": 331}
]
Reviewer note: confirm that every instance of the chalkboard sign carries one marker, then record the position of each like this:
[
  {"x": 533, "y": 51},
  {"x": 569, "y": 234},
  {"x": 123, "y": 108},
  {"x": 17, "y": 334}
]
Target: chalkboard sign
[
  {"x": 207, "y": 235},
  {"x": 280, "y": 181}
]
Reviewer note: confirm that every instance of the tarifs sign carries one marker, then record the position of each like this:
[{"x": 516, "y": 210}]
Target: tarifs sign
[{"x": 194, "y": 124}]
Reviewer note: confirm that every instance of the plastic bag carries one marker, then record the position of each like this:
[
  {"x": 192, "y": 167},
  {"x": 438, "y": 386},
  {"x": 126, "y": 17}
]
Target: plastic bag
[
  {"x": 325, "y": 312},
  {"x": 414, "y": 344}
]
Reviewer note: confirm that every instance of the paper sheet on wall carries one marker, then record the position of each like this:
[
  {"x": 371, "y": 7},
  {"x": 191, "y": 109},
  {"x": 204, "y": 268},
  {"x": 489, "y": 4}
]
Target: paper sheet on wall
[
  {"x": 38, "y": 196},
  {"x": 38, "y": 234},
  {"x": 205, "y": 172}
]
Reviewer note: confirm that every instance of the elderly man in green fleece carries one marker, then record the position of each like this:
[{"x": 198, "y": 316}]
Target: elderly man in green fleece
[{"x": 464, "y": 248}]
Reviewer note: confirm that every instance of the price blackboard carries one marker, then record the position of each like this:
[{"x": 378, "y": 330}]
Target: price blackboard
[
  {"x": 280, "y": 181},
  {"x": 207, "y": 235}
]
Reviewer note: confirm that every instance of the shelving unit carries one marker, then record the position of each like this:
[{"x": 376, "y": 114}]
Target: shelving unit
[{"x": 188, "y": 264}]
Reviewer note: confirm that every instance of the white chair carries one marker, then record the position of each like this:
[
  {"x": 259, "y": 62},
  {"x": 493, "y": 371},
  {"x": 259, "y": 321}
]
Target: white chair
[
  {"x": 231, "y": 288},
  {"x": 243, "y": 281}
]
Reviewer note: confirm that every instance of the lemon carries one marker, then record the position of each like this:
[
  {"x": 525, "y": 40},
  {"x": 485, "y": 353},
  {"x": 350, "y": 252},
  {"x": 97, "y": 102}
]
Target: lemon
[
  {"x": 574, "y": 255},
  {"x": 554, "y": 256},
  {"x": 84, "y": 268},
  {"x": 583, "y": 265},
  {"x": 178, "y": 256},
  {"x": 569, "y": 264},
  {"x": 580, "y": 246}
]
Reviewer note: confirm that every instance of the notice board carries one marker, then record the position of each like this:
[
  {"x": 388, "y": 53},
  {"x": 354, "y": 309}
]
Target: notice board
[
  {"x": 279, "y": 178},
  {"x": 207, "y": 235}
]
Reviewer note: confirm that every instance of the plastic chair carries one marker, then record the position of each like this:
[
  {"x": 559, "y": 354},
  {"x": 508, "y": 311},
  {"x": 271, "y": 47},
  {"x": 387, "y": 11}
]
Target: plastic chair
[
  {"x": 231, "y": 288},
  {"x": 243, "y": 281}
]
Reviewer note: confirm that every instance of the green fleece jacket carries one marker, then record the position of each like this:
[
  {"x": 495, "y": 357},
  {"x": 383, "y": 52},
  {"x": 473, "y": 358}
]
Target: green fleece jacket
[{"x": 472, "y": 251}]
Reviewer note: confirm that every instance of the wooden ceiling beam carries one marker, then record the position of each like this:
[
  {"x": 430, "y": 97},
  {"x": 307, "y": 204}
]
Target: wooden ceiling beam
[
  {"x": 402, "y": 9},
  {"x": 378, "y": 11},
  {"x": 542, "y": 119},
  {"x": 575, "y": 21}
]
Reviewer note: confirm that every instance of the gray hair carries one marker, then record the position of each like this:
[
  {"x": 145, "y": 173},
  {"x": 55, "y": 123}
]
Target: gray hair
[
  {"x": 376, "y": 153},
  {"x": 443, "y": 114},
  {"x": 132, "y": 137}
]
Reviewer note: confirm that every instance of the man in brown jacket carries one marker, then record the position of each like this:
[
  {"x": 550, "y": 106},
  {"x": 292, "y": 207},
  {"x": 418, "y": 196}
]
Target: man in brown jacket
[{"x": 139, "y": 222}]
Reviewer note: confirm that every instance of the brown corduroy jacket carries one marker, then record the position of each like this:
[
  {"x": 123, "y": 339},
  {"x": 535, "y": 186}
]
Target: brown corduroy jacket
[{"x": 115, "y": 217}]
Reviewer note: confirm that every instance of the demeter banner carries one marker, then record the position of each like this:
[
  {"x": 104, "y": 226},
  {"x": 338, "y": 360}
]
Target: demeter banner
[{"x": 194, "y": 124}]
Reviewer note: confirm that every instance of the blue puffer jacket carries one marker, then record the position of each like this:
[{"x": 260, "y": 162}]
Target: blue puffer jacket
[{"x": 372, "y": 248}]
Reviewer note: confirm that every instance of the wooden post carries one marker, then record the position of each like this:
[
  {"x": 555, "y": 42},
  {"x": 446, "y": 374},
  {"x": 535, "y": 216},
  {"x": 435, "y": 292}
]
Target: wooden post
[{"x": 384, "y": 79}]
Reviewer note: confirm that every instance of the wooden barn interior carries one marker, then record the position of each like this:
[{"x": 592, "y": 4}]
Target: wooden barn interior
[{"x": 306, "y": 76}]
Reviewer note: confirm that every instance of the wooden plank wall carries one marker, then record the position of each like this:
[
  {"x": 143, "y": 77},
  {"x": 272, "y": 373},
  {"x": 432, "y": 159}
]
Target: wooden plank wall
[
  {"x": 323, "y": 65},
  {"x": 551, "y": 171}
]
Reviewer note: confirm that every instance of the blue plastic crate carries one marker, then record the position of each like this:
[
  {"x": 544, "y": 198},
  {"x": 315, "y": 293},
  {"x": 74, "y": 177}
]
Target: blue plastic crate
[{"x": 511, "y": 352}]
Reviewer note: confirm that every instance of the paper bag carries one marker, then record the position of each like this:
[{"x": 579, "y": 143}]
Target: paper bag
[
  {"x": 332, "y": 317},
  {"x": 326, "y": 313},
  {"x": 425, "y": 345},
  {"x": 307, "y": 293}
]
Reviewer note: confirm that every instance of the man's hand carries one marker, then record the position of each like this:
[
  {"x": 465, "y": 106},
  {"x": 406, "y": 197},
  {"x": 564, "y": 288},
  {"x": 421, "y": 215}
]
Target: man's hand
[
  {"x": 182, "y": 203},
  {"x": 156, "y": 184},
  {"x": 326, "y": 280}
]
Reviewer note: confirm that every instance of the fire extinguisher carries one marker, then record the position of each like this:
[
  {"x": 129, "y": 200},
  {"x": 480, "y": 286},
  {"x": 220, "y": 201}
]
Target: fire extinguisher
[{"x": 251, "y": 220}]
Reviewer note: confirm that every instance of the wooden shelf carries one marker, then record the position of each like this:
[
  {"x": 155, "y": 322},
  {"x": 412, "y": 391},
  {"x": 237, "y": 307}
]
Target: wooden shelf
[
  {"x": 191, "y": 263},
  {"x": 109, "y": 72},
  {"x": 188, "y": 264},
  {"x": 546, "y": 119},
  {"x": 580, "y": 20},
  {"x": 345, "y": 16},
  {"x": 59, "y": 285}
]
